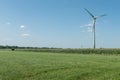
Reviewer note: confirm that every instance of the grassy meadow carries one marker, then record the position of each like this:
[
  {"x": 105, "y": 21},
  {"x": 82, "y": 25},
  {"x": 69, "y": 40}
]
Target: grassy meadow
[
  {"x": 76, "y": 51},
  {"x": 26, "y": 65}
]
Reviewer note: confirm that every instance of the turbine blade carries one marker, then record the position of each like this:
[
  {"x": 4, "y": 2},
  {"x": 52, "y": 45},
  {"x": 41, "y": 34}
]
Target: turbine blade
[
  {"x": 89, "y": 13},
  {"x": 101, "y": 16}
]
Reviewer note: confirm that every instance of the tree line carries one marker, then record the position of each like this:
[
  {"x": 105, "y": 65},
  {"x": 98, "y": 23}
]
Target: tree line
[{"x": 18, "y": 47}]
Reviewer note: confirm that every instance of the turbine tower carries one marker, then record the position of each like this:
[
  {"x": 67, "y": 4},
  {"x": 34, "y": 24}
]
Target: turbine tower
[{"x": 94, "y": 23}]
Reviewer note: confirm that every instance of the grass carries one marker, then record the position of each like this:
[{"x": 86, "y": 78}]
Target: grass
[
  {"x": 20, "y": 65},
  {"x": 77, "y": 51}
]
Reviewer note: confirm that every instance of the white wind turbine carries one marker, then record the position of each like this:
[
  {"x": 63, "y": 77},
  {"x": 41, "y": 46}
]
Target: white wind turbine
[{"x": 94, "y": 22}]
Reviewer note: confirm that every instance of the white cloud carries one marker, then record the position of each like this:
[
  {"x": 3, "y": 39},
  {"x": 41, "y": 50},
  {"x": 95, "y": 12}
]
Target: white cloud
[
  {"x": 22, "y": 26},
  {"x": 25, "y": 35},
  {"x": 8, "y": 23},
  {"x": 89, "y": 27},
  {"x": 23, "y": 30}
]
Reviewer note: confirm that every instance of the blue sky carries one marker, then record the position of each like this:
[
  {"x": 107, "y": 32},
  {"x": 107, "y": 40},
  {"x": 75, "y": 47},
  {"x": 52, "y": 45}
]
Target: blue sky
[{"x": 59, "y": 23}]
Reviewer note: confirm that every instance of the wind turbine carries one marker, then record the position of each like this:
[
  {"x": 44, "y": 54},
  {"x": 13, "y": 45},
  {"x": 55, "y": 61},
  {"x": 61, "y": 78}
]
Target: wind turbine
[{"x": 94, "y": 23}]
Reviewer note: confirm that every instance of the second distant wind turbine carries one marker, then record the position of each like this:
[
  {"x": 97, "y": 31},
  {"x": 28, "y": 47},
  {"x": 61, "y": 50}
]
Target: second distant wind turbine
[{"x": 94, "y": 22}]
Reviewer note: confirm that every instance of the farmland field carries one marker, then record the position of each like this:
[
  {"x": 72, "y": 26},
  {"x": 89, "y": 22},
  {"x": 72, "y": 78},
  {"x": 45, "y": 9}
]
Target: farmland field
[{"x": 23, "y": 65}]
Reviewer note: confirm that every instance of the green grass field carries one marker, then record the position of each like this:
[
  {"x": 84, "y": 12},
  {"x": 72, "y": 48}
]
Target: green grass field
[{"x": 20, "y": 65}]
